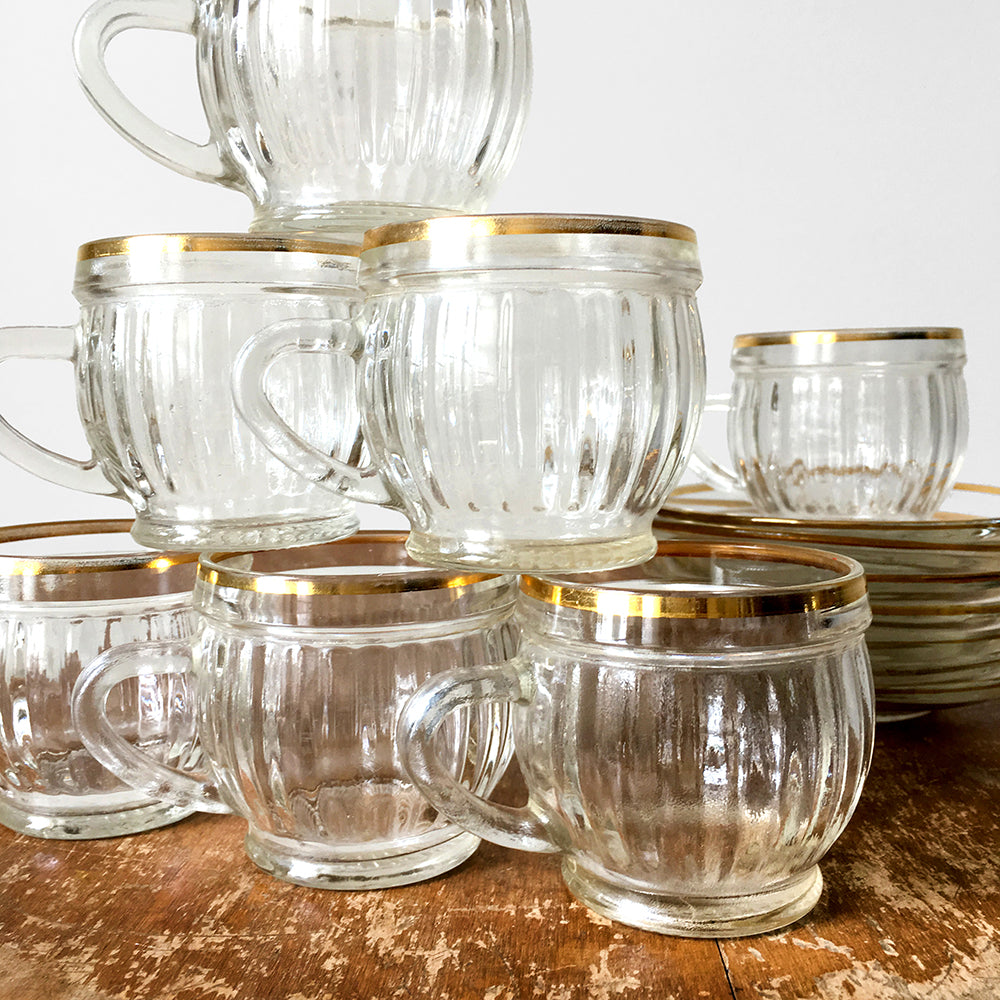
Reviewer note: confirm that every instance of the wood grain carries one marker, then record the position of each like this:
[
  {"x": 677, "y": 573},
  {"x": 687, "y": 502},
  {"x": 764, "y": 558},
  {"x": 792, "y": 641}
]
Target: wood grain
[{"x": 911, "y": 910}]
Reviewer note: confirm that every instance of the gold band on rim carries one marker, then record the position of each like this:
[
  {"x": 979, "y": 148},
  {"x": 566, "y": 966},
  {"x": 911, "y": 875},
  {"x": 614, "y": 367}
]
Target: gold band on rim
[
  {"x": 168, "y": 243},
  {"x": 471, "y": 226},
  {"x": 669, "y": 518},
  {"x": 213, "y": 573},
  {"x": 97, "y": 563},
  {"x": 845, "y": 589},
  {"x": 818, "y": 337}
]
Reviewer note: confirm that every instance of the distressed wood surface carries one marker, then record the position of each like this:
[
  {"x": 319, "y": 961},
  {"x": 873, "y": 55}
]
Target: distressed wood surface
[{"x": 911, "y": 910}]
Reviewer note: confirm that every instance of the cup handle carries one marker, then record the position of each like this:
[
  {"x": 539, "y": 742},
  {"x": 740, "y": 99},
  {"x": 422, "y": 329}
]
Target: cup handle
[
  {"x": 94, "y": 32},
  {"x": 509, "y": 826},
  {"x": 90, "y": 697},
  {"x": 47, "y": 343},
  {"x": 250, "y": 375},
  {"x": 703, "y": 465}
]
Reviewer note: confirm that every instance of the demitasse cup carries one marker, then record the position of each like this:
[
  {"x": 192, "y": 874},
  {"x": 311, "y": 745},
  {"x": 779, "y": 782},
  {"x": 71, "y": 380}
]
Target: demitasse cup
[
  {"x": 161, "y": 320},
  {"x": 694, "y": 733},
  {"x": 336, "y": 115},
  {"x": 69, "y": 591},
  {"x": 845, "y": 423},
  {"x": 301, "y": 666},
  {"x": 530, "y": 386}
]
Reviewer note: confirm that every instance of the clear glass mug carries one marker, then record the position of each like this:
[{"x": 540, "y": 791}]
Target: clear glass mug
[
  {"x": 845, "y": 423},
  {"x": 337, "y": 115},
  {"x": 300, "y": 668},
  {"x": 530, "y": 386},
  {"x": 69, "y": 591},
  {"x": 694, "y": 732},
  {"x": 161, "y": 320}
]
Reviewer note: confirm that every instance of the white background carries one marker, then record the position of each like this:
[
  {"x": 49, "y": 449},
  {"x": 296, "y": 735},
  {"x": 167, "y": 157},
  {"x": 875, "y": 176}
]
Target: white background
[{"x": 838, "y": 160}]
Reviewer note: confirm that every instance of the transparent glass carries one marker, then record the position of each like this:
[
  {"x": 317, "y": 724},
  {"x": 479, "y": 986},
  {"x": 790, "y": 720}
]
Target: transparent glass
[
  {"x": 301, "y": 666},
  {"x": 692, "y": 761},
  {"x": 65, "y": 597},
  {"x": 161, "y": 320},
  {"x": 530, "y": 387},
  {"x": 848, "y": 423},
  {"x": 337, "y": 115},
  {"x": 933, "y": 585}
]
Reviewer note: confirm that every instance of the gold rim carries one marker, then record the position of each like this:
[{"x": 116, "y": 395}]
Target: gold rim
[
  {"x": 212, "y": 572},
  {"x": 100, "y": 563},
  {"x": 472, "y": 226},
  {"x": 669, "y": 517},
  {"x": 169, "y": 243},
  {"x": 845, "y": 589},
  {"x": 814, "y": 338}
]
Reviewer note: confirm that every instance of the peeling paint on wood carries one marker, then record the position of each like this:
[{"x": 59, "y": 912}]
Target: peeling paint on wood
[{"x": 911, "y": 911}]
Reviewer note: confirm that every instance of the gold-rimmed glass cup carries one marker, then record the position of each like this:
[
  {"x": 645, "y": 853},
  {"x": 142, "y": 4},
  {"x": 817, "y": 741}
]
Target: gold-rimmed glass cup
[
  {"x": 694, "y": 732},
  {"x": 161, "y": 319},
  {"x": 69, "y": 591},
  {"x": 301, "y": 664},
  {"x": 530, "y": 386},
  {"x": 845, "y": 423}
]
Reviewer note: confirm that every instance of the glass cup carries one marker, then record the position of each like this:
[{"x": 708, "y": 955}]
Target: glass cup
[
  {"x": 68, "y": 592},
  {"x": 301, "y": 666},
  {"x": 845, "y": 423},
  {"x": 161, "y": 320},
  {"x": 336, "y": 115},
  {"x": 694, "y": 733},
  {"x": 530, "y": 386}
]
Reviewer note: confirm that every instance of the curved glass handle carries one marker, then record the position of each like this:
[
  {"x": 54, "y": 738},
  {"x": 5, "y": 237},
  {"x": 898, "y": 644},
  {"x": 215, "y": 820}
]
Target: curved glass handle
[
  {"x": 90, "y": 697},
  {"x": 509, "y": 826},
  {"x": 703, "y": 465},
  {"x": 94, "y": 32},
  {"x": 250, "y": 374},
  {"x": 47, "y": 343}
]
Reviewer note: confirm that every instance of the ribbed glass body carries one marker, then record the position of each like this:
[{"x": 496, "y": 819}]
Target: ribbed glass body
[
  {"x": 866, "y": 428},
  {"x": 697, "y": 776},
  {"x": 56, "y": 615},
  {"x": 155, "y": 346},
  {"x": 694, "y": 732},
  {"x": 531, "y": 397},
  {"x": 343, "y": 114}
]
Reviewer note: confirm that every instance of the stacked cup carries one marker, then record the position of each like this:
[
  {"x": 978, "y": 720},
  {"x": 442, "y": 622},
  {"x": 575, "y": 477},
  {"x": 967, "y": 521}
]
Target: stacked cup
[{"x": 525, "y": 389}]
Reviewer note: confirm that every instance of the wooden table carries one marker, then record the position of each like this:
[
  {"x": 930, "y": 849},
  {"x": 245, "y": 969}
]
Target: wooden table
[{"x": 911, "y": 910}]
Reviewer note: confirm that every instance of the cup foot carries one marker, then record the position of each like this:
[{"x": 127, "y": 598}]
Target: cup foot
[
  {"x": 694, "y": 916},
  {"x": 95, "y": 825},
  {"x": 342, "y": 222},
  {"x": 247, "y": 534},
  {"x": 308, "y": 866},
  {"x": 531, "y": 556}
]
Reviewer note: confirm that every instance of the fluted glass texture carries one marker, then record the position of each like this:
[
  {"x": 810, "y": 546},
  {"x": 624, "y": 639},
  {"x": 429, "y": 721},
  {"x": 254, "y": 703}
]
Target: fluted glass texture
[
  {"x": 328, "y": 107},
  {"x": 532, "y": 405},
  {"x": 50, "y": 785},
  {"x": 155, "y": 348},
  {"x": 297, "y": 703},
  {"x": 871, "y": 429},
  {"x": 693, "y": 778}
]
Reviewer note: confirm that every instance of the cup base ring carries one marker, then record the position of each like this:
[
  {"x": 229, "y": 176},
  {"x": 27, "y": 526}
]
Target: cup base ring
[
  {"x": 318, "y": 872},
  {"x": 693, "y": 916},
  {"x": 573, "y": 555},
  {"x": 250, "y": 534},
  {"x": 67, "y": 825}
]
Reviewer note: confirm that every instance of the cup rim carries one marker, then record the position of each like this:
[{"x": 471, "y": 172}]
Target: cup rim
[
  {"x": 844, "y": 589},
  {"x": 523, "y": 224},
  {"x": 213, "y": 572},
  {"x": 817, "y": 338},
  {"x": 40, "y": 566},
  {"x": 164, "y": 244}
]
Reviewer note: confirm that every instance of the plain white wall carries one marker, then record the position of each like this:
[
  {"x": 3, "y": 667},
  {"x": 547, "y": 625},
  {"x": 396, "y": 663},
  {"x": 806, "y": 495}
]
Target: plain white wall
[{"x": 839, "y": 162}]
